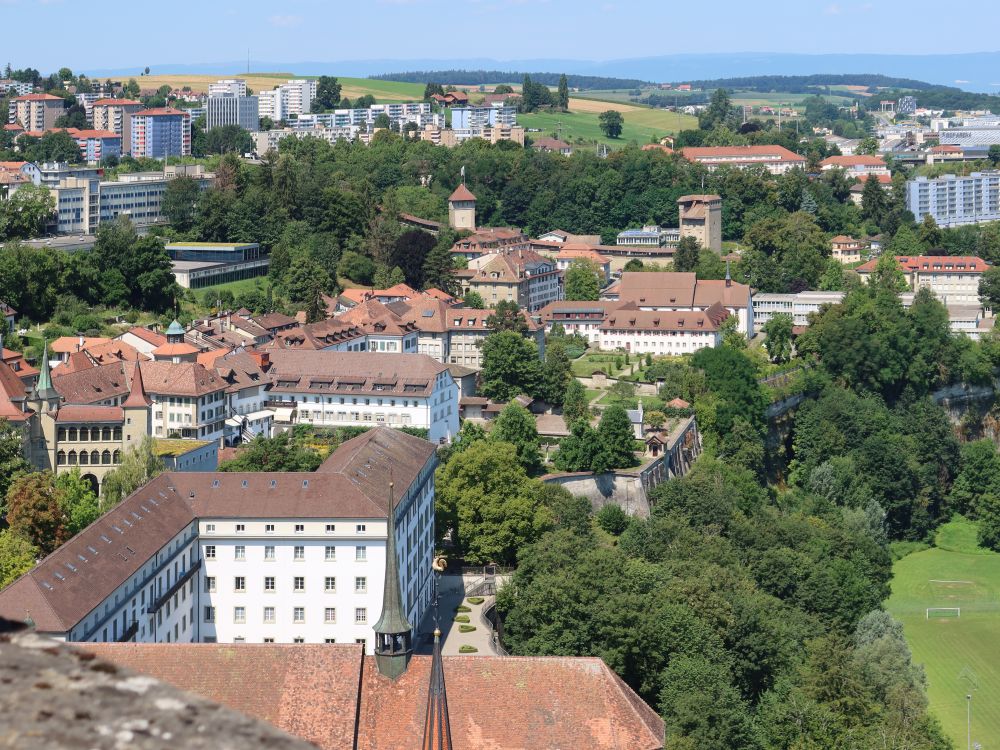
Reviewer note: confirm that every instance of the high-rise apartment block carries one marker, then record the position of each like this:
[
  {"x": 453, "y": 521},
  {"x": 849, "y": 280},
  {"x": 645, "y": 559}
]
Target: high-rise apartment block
[
  {"x": 115, "y": 115},
  {"x": 955, "y": 200},
  {"x": 233, "y": 86},
  {"x": 159, "y": 133},
  {"x": 36, "y": 112}
]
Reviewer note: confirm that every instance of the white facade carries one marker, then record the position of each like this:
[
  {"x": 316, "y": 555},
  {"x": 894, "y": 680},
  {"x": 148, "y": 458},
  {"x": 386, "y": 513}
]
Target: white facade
[
  {"x": 292, "y": 98},
  {"x": 201, "y": 417},
  {"x": 231, "y": 86},
  {"x": 228, "y": 109},
  {"x": 954, "y": 200},
  {"x": 798, "y": 306},
  {"x": 658, "y": 343}
]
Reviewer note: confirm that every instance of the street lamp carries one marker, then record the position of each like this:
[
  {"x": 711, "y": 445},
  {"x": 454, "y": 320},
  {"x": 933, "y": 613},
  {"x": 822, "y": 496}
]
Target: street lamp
[{"x": 968, "y": 721}]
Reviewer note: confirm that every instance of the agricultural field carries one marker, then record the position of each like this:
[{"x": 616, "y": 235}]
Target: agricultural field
[
  {"x": 959, "y": 653},
  {"x": 383, "y": 91},
  {"x": 642, "y": 124}
]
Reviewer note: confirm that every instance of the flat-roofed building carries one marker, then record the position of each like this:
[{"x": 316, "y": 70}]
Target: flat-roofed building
[
  {"x": 229, "y": 109},
  {"x": 115, "y": 115},
  {"x": 200, "y": 264},
  {"x": 955, "y": 200},
  {"x": 36, "y": 112},
  {"x": 859, "y": 166}
]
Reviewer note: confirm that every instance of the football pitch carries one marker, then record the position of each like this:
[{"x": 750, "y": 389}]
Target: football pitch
[{"x": 960, "y": 654}]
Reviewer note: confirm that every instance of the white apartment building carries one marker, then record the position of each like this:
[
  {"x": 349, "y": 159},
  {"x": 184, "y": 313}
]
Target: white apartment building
[
  {"x": 228, "y": 86},
  {"x": 662, "y": 333},
  {"x": 954, "y": 279},
  {"x": 228, "y": 109},
  {"x": 290, "y": 99},
  {"x": 798, "y": 306},
  {"x": 246, "y": 557},
  {"x": 859, "y": 166},
  {"x": 775, "y": 159},
  {"x": 955, "y": 200},
  {"x": 419, "y": 113},
  {"x": 332, "y": 389},
  {"x": 267, "y": 140},
  {"x": 188, "y": 399}
]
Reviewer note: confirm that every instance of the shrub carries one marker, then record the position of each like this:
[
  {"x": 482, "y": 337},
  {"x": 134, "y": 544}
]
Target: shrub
[
  {"x": 612, "y": 519},
  {"x": 462, "y": 608},
  {"x": 466, "y": 628},
  {"x": 465, "y": 648},
  {"x": 461, "y": 618},
  {"x": 475, "y": 600}
]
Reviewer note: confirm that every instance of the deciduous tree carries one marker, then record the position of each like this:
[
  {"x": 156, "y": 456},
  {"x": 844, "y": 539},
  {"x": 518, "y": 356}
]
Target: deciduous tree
[
  {"x": 34, "y": 511},
  {"x": 516, "y": 425}
]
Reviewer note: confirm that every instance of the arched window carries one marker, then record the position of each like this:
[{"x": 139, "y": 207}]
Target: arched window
[
  {"x": 84, "y": 435},
  {"x": 106, "y": 434},
  {"x": 95, "y": 457},
  {"x": 118, "y": 435},
  {"x": 72, "y": 458},
  {"x": 62, "y": 434},
  {"x": 116, "y": 457},
  {"x": 72, "y": 435},
  {"x": 106, "y": 457},
  {"x": 61, "y": 458}
]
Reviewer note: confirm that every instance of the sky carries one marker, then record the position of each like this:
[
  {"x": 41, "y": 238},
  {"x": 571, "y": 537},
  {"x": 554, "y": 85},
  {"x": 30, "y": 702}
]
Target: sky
[{"x": 117, "y": 34}]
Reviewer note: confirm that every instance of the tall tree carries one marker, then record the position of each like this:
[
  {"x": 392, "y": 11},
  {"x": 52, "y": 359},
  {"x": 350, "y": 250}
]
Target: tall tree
[
  {"x": 327, "y": 94},
  {"x": 12, "y": 462},
  {"x": 280, "y": 453},
  {"x": 180, "y": 201},
  {"x": 563, "y": 93},
  {"x": 34, "y": 511},
  {"x": 611, "y": 121},
  {"x": 583, "y": 280},
  {"x": 507, "y": 316},
  {"x": 78, "y": 502},
  {"x": 516, "y": 425},
  {"x": 510, "y": 366},
  {"x": 556, "y": 374},
  {"x": 616, "y": 441},
  {"x": 139, "y": 465},
  {"x": 686, "y": 254},
  {"x": 778, "y": 331},
  {"x": 575, "y": 402}
]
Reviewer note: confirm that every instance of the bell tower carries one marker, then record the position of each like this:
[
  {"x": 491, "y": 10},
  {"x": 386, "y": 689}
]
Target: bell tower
[
  {"x": 393, "y": 634},
  {"x": 462, "y": 209}
]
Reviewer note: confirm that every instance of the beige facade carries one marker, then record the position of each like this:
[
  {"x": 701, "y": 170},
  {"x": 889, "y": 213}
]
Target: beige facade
[
  {"x": 701, "y": 218},
  {"x": 462, "y": 209},
  {"x": 37, "y": 112},
  {"x": 115, "y": 115}
]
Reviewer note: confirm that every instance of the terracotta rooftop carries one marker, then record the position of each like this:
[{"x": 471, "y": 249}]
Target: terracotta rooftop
[
  {"x": 755, "y": 153},
  {"x": 37, "y": 98},
  {"x": 657, "y": 320},
  {"x": 150, "y": 337},
  {"x": 180, "y": 379},
  {"x": 933, "y": 264},
  {"x": 353, "y": 373},
  {"x": 72, "y": 413},
  {"x": 858, "y": 160},
  {"x": 333, "y": 696},
  {"x": 462, "y": 193}
]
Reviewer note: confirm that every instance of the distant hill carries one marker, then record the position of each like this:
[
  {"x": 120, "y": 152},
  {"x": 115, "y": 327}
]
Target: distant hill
[
  {"x": 483, "y": 77},
  {"x": 810, "y": 83},
  {"x": 974, "y": 71}
]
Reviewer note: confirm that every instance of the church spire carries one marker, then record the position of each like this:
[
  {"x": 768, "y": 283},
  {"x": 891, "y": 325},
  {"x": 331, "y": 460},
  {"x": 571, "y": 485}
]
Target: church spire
[
  {"x": 437, "y": 727},
  {"x": 393, "y": 646},
  {"x": 43, "y": 389}
]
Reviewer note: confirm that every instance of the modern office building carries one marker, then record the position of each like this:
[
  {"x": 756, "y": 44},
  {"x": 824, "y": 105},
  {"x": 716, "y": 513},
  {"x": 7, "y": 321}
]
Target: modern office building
[
  {"x": 115, "y": 115},
  {"x": 199, "y": 264},
  {"x": 955, "y": 200},
  {"x": 36, "y": 112},
  {"x": 229, "y": 109},
  {"x": 83, "y": 202},
  {"x": 289, "y": 100},
  {"x": 651, "y": 235},
  {"x": 159, "y": 133},
  {"x": 972, "y": 132}
]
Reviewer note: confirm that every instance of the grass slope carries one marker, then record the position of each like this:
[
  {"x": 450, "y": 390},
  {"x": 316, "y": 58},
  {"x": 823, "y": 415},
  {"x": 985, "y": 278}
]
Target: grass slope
[
  {"x": 956, "y": 573},
  {"x": 581, "y": 123}
]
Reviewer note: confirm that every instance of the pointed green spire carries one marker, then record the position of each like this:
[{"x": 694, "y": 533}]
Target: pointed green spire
[
  {"x": 392, "y": 632},
  {"x": 44, "y": 389},
  {"x": 437, "y": 725}
]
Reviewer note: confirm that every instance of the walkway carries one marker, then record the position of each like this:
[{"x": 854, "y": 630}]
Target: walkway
[{"x": 451, "y": 595}]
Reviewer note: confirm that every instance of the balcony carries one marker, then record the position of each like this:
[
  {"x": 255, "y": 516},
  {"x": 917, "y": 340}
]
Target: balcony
[{"x": 130, "y": 632}]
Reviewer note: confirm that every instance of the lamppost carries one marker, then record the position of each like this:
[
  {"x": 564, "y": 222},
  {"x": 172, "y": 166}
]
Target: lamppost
[{"x": 968, "y": 721}]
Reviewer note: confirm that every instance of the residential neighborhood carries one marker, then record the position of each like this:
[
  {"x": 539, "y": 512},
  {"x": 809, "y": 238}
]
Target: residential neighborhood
[{"x": 404, "y": 398}]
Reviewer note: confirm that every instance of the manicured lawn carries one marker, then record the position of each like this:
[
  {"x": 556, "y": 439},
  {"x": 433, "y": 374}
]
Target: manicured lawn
[
  {"x": 236, "y": 287},
  {"x": 960, "y": 655},
  {"x": 590, "y": 363}
]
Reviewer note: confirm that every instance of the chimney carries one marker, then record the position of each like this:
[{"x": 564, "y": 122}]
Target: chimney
[
  {"x": 79, "y": 346},
  {"x": 729, "y": 279}
]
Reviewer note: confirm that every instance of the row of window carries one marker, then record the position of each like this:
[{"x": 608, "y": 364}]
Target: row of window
[
  {"x": 298, "y": 553},
  {"x": 300, "y": 528},
  {"x": 298, "y": 616},
  {"x": 92, "y": 434},
  {"x": 298, "y": 584},
  {"x": 83, "y": 458}
]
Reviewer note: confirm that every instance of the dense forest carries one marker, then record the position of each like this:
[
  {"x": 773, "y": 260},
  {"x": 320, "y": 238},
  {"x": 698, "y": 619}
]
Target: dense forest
[
  {"x": 487, "y": 77},
  {"x": 812, "y": 83}
]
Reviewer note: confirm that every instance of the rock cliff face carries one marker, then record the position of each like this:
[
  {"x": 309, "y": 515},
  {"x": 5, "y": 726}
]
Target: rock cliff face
[{"x": 53, "y": 697}]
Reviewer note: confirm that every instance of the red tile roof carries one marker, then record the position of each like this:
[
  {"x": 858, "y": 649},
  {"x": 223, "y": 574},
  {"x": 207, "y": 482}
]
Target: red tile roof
[
  {"x": 116, "y": 103},
  {"x": 160, "y": 112},
  {"x": 695, "y": 153},
  {"x": 333, "y": 695},
  {"x": 927, "y": 263},
  {"x": 90, "y": 414},
  {"x": 38, "y": 98},
  {"x": 462, "y": 193},
  {"x": 150, "y": 337}
]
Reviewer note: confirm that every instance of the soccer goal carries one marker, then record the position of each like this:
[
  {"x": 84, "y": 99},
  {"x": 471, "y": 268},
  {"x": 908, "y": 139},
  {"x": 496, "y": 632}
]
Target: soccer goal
[{"x": 944, "y": 612}]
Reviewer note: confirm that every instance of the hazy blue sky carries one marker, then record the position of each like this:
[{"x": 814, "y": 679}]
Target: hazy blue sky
[{"x": 115, "y": 34}]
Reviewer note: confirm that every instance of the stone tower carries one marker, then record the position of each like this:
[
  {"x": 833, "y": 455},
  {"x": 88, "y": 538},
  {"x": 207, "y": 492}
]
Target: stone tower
[{"x": 462, "y": 209}]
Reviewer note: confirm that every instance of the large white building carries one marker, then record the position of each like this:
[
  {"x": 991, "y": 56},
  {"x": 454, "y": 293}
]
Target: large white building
[
  {"x": 246, "y": 557},
  {"x": 290, "y": 99},
  {"x": 228, "y": 86},
  {"x": 955, "y": 200},
  {"x": 332, "y": 389}
]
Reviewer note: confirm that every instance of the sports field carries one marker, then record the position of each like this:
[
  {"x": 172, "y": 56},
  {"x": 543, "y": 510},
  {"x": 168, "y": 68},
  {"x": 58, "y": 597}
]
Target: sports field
[
  {"x": 352, "y": 88},
  {"x": 961, "y": 655}
]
